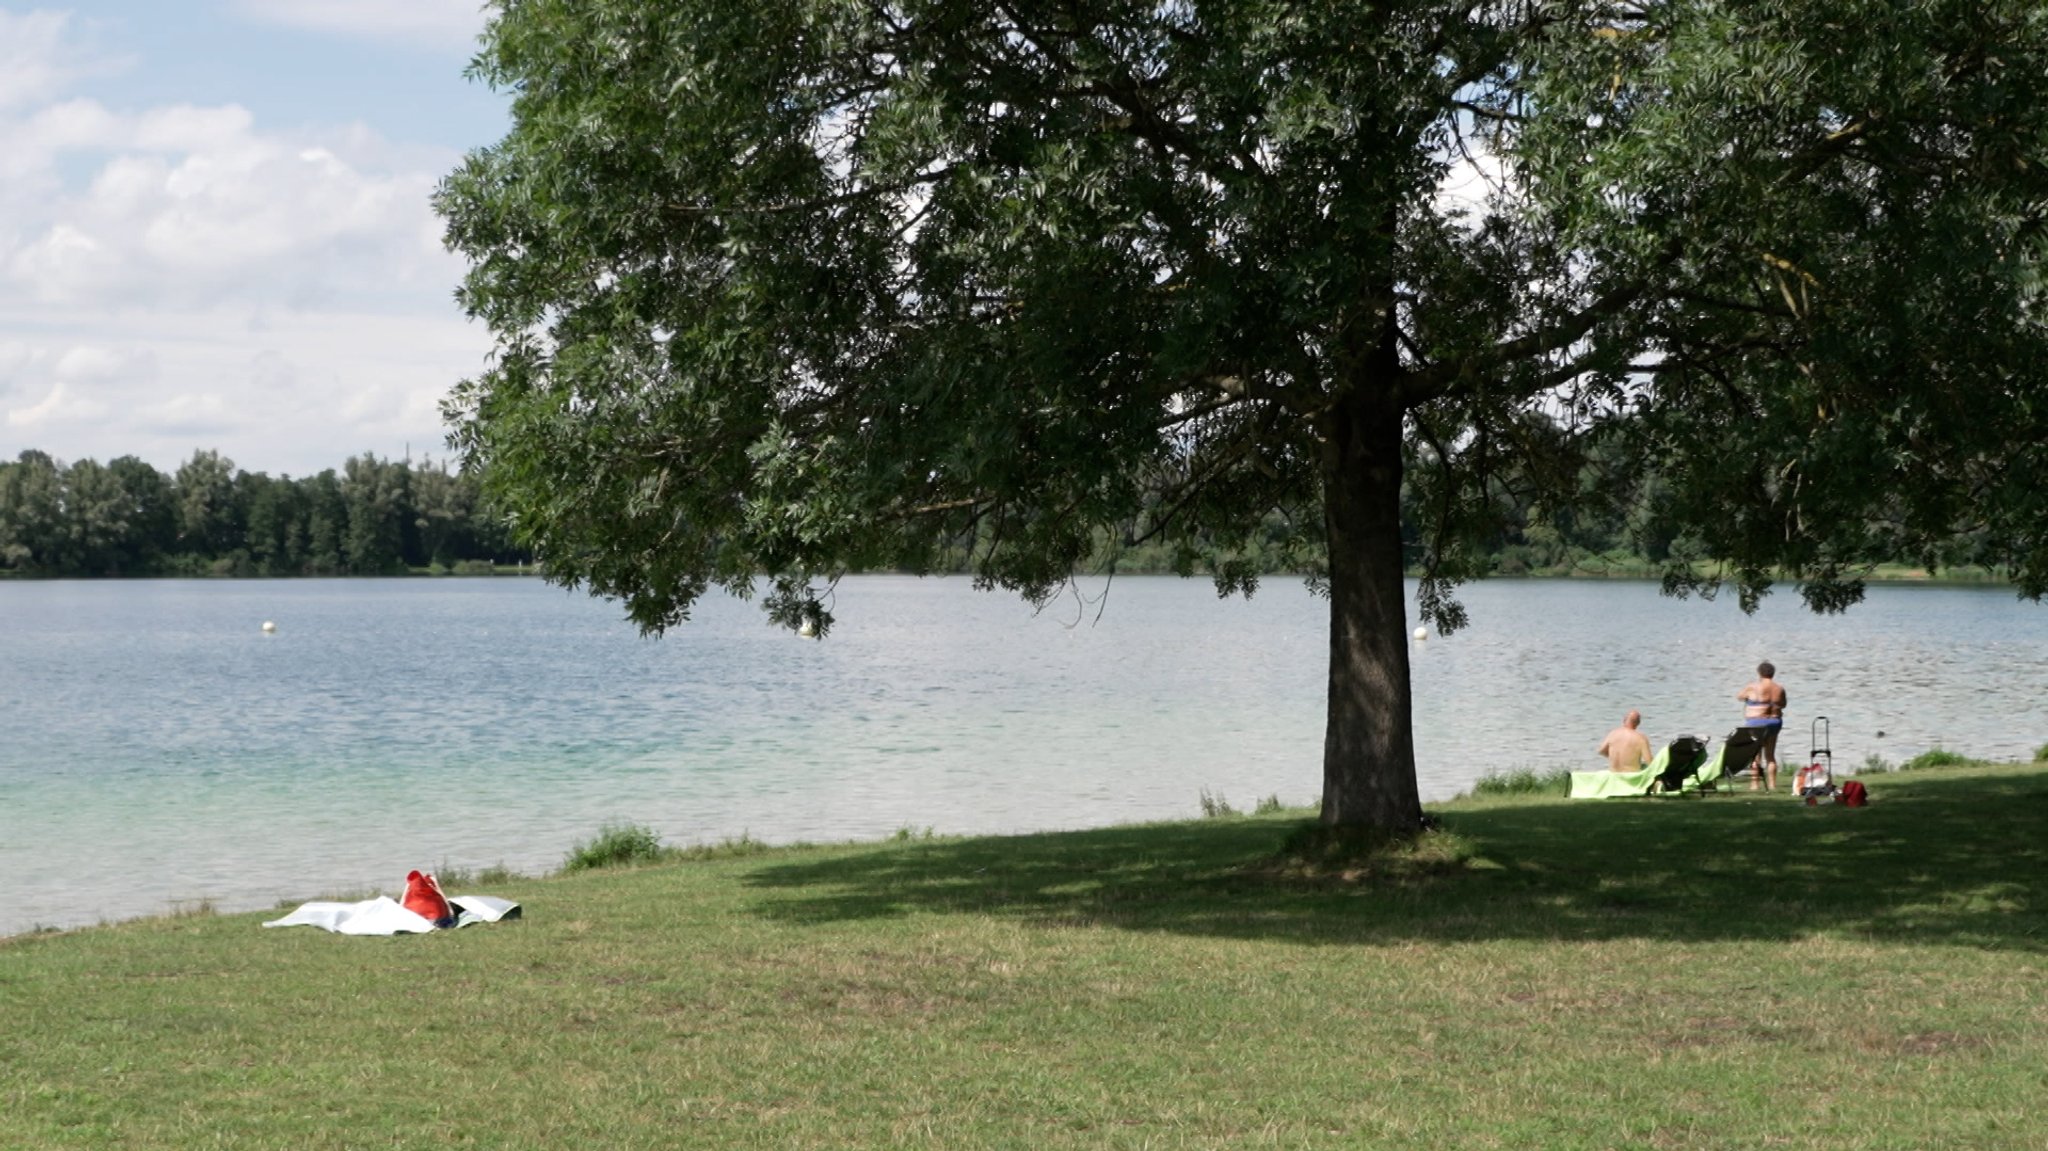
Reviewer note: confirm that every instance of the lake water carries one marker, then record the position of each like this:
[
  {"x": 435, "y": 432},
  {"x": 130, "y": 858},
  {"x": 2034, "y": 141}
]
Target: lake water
[{"x": 156, "y": 746}]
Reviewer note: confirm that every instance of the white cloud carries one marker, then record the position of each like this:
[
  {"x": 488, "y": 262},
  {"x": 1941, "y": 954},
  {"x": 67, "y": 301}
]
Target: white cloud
[
  {"x": 201, "y": 131},
  {"x": 276, "y": 390},
  {"x": 193, "y": 413},
  {"x": 197, "y": 206},
  {"x": 90, "y": 363},
  {"x": 428, "y": 23},
  {"x": 57, "y": 407},
  {"x": 56, "y": 129},
  {"x": 184, "y": 276},
  {"x": 40, "y": 57},
  {"x": 47, "y": 386}
]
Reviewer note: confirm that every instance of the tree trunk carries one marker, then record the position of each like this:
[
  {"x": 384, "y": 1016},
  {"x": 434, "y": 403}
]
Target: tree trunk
[{"x": 1369, "y": 747}]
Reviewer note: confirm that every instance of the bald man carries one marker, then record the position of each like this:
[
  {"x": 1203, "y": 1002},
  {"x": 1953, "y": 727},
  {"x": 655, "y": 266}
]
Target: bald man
[{"x": 1626, "y": 748}]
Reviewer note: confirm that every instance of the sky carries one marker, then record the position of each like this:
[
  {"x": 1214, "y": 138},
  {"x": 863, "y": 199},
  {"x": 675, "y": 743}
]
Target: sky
[{"x": 215, "y": 227}]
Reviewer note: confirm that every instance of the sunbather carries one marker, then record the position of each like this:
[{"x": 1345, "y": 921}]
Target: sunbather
[{"x": 1626, "y": 748}]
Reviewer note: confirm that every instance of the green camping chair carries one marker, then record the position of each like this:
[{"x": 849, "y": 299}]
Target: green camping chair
[
  {"x": 1685, "y": 760},
  {"x": 1739, "y": 751}
]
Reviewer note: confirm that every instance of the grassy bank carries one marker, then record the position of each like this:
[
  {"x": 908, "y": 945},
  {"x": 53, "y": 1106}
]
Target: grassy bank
[{"x": 1737, "y": 971}]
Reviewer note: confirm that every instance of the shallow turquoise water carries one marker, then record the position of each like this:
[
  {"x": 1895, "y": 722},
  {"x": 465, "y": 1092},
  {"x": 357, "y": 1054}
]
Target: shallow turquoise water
[{"x": 157, "y": 746}]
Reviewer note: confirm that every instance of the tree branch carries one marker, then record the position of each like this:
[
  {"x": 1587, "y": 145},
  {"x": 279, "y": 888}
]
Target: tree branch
[{"x": 811, "y": 205}]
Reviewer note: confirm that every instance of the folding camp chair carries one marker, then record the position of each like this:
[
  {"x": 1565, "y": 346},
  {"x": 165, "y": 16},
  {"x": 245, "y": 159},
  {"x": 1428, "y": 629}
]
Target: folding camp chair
[
  {"x": 1739, "y": 751},
  {"x": 1683, "y": 759}
]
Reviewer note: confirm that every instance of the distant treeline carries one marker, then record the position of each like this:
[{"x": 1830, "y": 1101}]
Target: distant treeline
[
  {"x": 125, "y": 518},
  {"x": 383, "y": 517},
  {"x": 1594, "y": 542},
  {"x": 386, "y": 517}
]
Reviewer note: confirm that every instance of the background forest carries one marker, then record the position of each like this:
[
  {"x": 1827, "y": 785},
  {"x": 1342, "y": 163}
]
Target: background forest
[
  {"x": 126, "y": 518},
  {"x": 389, "y": 517}
]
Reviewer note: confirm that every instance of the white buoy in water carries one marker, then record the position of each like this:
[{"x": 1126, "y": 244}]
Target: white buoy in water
[
  {"x": 268, "y": 627},
  {"x": 1422, "y": 633}
]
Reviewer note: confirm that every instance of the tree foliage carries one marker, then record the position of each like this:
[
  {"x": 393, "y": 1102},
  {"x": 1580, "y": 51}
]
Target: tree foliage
[
  {"x": 126, "y": 519},
  {"x": 1836, "y": 210},
  {"x": 799, "y": 286}
]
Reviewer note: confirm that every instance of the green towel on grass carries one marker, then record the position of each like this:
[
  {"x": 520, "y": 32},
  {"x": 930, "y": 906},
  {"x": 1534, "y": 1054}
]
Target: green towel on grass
[{"x": 1606, "y": 784}]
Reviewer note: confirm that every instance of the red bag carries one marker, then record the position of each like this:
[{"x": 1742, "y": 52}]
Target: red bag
[
  {"x": 1853, "y": 794},
  {"x": 423, "y": 898}
]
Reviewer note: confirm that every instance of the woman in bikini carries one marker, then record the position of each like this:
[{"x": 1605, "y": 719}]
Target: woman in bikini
[{"x": 1763, "y": 708}]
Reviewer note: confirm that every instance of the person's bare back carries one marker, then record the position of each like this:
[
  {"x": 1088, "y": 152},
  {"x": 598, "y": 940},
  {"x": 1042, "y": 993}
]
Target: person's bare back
[
  {"x": 1626, "y": 748},
  {"x": 1763, "y": 697},
  {"x": 1763, "y": 702}
]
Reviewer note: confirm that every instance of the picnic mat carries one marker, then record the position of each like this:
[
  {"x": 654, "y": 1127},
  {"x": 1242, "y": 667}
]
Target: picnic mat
[{"x": 386, "y": 916}]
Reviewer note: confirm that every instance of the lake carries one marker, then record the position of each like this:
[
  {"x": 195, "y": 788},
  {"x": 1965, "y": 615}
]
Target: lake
[{"x": 158, "y": 747}]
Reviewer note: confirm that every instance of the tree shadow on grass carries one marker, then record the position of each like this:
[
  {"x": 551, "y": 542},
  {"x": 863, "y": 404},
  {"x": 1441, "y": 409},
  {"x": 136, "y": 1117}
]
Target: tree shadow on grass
[{"x": 1954, "y": 860}]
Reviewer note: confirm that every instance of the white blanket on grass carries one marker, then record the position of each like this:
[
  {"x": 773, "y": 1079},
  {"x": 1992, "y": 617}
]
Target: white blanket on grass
[{"x": 386, "y": 916}]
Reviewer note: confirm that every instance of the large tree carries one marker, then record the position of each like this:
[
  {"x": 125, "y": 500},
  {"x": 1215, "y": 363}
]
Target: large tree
[{"x": 803, "y": 286}]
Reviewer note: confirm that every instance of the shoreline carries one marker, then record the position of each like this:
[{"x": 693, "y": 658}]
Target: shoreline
[
  {"x": 171, "y": 700},
  {"x": 578, "y": 861}
]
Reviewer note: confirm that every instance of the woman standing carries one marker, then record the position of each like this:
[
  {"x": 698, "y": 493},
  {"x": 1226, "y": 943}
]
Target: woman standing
[{"x": 1763, "y": 707}]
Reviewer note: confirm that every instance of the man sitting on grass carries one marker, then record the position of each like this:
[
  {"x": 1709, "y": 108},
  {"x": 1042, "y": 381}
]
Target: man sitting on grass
[{"x": 1626, "y": 748}]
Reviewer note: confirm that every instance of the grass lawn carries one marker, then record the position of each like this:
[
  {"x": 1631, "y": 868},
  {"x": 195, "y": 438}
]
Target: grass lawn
[{"x": 1730, "y": 972}]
